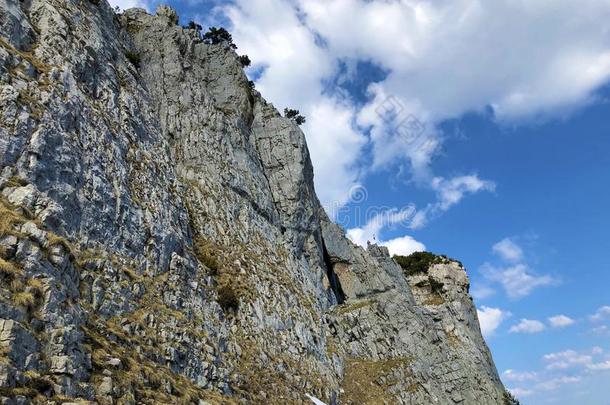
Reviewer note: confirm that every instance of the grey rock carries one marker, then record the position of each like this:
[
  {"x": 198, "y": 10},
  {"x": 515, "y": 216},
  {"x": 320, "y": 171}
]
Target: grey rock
[{"x": 168, "y": 214}]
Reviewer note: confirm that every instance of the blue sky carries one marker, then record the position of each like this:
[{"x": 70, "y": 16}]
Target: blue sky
[{"x": 474, "y": 129}]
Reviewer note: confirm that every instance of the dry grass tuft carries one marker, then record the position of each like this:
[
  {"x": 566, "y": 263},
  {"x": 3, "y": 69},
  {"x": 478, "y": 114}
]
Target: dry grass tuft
[
  {"x": 24, "y": 299},
  {"x": 9, "y": 270},
  {"x": 363, "y": 380}
]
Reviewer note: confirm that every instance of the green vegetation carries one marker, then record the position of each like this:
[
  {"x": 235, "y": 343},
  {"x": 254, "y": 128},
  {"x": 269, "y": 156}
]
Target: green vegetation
[
  {"x": 192, "y": 25},
  {"x": 418, "y": 262},
  {"x": 294, "y": 115},
  {"x": 218, "y": 36},
  {"x": 509, "y": 399},
  {"x": 204, "y": 252},
  {"x": 133, "y": 58},
  {"x": 227, "y": 299},
  {"x": 244, "y": 60},
  {"x": 370, "y": 381}
]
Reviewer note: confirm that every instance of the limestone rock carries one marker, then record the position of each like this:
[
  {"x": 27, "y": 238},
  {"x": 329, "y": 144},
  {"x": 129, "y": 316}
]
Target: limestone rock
[{"x": 161, "y": 239}]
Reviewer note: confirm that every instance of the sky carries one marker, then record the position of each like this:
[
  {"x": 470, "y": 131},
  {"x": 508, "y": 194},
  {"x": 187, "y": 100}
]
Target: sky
[{"x": 475, "y": 129}]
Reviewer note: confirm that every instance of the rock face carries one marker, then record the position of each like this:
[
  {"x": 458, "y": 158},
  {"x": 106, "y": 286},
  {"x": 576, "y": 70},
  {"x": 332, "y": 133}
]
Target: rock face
[{"x": 161, "y": 240}]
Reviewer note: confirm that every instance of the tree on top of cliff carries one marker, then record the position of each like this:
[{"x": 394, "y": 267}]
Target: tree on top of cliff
[
  {"x": 192, "y": 25},
  {"x": 218, "y": 36},
  {"x": 294, "y": 115}
]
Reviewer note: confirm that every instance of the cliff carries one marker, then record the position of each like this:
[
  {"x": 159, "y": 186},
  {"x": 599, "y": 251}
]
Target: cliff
[{"x": 161, "y": 240}]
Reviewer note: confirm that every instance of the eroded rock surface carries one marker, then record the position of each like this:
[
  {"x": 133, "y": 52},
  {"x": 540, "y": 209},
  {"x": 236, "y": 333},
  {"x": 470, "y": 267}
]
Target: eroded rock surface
[{"x": 161, "y": 240}]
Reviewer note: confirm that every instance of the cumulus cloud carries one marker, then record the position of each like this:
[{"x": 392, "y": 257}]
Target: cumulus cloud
[
  {"x": 600, "y": 314},
  {"x": 508, "y": 250},
  {"x": 387, "y": 218},
  {"x": 599, "y": 366},
  {"x": 512, "y": 375},
  {"x": 527, "y": 326},
  {"x": 436, "y": 42},
  {"x": 518, "y": 280},
  {"x": 404, "y": 245},
  {"x": 566, "y": 359},
  {"x": 562, "y": 368},
  {"x": 427, "y": 49},
  {"x": 554, "y": 383},
  {"x": 490, "y": 319},
  {"x": 561, "y": 321}
]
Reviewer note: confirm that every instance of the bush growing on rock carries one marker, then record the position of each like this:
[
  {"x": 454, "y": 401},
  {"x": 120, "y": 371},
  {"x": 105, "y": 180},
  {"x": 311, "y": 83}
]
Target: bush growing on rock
[
  {"x": 244, "y": 60},
  {"x": 418, "y": 262},
  {"x": 192, "y": 25},
  {"x": 294, "y": 115},
  {"x": 134, "y": 58},
  {"x": 218, "y": 36},
  {"x": 227, "y": 299},
  {"x": 509, "y": 399}
]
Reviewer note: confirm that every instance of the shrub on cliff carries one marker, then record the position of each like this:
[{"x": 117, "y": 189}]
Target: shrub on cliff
[
  {"x": 509, "y": 399},
  {"x": 418, "y": 262},
  {"x": 218, "y": 36},
  {"x": 294, "y": 115},
  {"x": 227, "y": 299},
  {"x": 244, "y": 60},
  {"x": 192, "y": 25},
  {"x": 134, "y": 58}
]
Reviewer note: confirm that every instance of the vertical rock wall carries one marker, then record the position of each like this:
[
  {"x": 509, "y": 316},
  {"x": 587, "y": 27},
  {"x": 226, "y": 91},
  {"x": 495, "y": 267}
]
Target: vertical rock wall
[{"x": 161, "y": 240}]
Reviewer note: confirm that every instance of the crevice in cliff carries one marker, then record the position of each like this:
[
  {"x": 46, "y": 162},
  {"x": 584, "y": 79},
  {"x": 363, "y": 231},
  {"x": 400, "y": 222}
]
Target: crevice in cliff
[{"x": 335, "y": 284}]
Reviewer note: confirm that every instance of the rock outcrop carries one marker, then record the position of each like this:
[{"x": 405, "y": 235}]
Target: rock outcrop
[{"x": 161, "y": 240}]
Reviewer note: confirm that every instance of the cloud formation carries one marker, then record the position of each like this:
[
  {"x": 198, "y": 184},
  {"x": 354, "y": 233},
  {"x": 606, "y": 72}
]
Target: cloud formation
[
  {"x": 601, "y": 314},
  {"x": 508, "y": 250},
  {"x": 561, "y": 321},
  {"x": 518, "y": 281},
  {"x": 515, "y": 276},
  {"x": 386, "y": 218},
  {"x": 527, "y": 326},
  {"x": 490, "y": 319}
]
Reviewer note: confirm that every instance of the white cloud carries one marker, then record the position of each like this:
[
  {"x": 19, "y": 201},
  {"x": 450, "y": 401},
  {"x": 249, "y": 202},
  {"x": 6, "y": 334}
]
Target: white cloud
[
  {"x": 521, "y": 392},
  {"x": 600, "y": 330},
  {"x": 428, "y": 48},
  {"x": 517, "y": 280},
  {"x": 480, "y": 292},
  {"x": 450, "y": 192},
  {"x": 600, "y": 314},
  {"x": 490, "y": 319},
  {"x": 404, "y": 245},
  {"x": 334, "y": 144},
  {"x": 527, "y": 326},
  {"x": 508, "y": 250},
  {"x": 437, "y": 42},
  {"x": 599, "y": 366},
  {"x": 561, "y": 321},
  {"x": 512, "y": 375},
  {"x": 379, "y": 221},
  {"x": 555, "y": 383},
  {"x": 566, "y": 359},
  {"x": 125, "y": 4}
]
